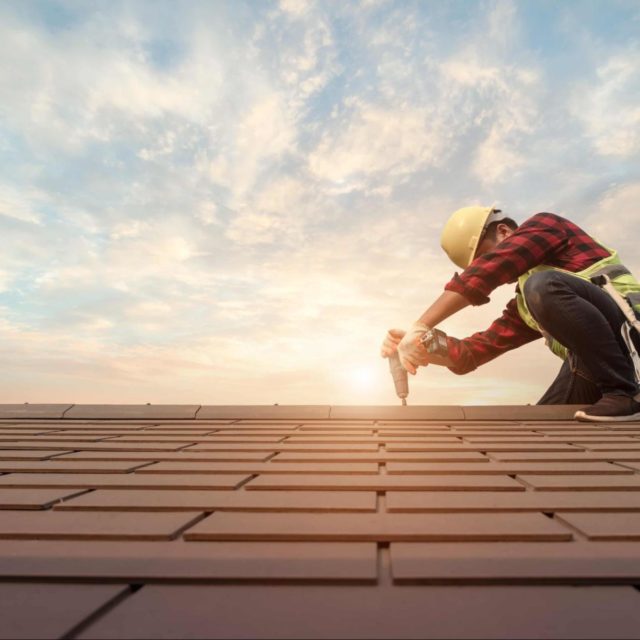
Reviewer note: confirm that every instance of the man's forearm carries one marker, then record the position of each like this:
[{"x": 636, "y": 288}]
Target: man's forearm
[{"x": 446, "y": 305}]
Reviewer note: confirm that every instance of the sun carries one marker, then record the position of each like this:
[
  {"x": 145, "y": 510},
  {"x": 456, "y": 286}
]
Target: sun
[{"x": 362, "y": 378}]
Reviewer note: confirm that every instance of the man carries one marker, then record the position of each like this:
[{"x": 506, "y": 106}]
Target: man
[{"x": 552, "y": 260}]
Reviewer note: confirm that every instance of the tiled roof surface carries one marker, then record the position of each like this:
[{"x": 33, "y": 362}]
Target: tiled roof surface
[{"x": 317, "y": 522}]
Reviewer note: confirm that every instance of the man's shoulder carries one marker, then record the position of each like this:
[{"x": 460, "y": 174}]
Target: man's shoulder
[{"x": 546, "y": 218}]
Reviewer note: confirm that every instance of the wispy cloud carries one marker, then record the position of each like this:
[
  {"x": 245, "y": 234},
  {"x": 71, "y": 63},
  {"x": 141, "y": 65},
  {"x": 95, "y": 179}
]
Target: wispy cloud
[{"x": 609, "y": 107}]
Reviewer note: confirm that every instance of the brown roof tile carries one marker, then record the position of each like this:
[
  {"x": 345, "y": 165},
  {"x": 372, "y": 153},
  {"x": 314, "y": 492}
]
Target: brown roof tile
[
  {"x": 577, "y": 562},
  {"x": 11, "y": 411},
  {"x": 545, "y": 501},
  {"x": 135, "y": 561},
  {"x": 34, "y": 498},
  {"x": 32, "y": 611},
  {"x": 309, "y": 468},
  {"x": 60, "y": 525},
  {"x": 123, "y": 481},
  {"x": 384, "y": 482},
  {"x": 132, "y": 411},
  {"x": 616, "y": 526},
  {"x": 377, "y": 527},
  {"x": 319, "y": 611},
  {"x": 504, "y": 468},
  {"x": 582, "y": 482},
  {"x": 166, "y": 500},
  {"x": 262, "y": 413}
]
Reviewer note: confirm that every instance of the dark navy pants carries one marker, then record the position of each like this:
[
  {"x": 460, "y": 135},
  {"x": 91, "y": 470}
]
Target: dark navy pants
[{"x": 582, "y": 317}]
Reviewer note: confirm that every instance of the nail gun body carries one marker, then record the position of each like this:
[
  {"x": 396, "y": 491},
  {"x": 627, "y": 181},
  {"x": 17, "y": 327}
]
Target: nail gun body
[{"x": 435, "y": 342}]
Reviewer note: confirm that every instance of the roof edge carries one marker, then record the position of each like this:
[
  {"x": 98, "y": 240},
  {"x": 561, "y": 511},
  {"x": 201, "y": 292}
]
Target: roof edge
[{"x": 285, "y": 412}]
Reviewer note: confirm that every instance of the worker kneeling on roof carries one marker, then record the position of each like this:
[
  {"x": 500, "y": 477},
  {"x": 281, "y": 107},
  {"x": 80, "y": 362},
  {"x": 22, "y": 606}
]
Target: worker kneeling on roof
[{"x": 553, "y": 261}]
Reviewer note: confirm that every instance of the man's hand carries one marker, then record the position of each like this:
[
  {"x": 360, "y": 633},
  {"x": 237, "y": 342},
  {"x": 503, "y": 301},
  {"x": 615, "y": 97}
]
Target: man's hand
[
  {"x": 412, "y": 352},
  {"x": 391, "y": 342}
]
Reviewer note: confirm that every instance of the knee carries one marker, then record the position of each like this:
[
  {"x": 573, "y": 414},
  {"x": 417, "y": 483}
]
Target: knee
[{"x": 538, "y": 290}]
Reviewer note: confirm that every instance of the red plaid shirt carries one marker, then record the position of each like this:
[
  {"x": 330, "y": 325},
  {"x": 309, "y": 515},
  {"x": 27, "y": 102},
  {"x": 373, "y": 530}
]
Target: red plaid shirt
[{"x": 545, "y": 238}]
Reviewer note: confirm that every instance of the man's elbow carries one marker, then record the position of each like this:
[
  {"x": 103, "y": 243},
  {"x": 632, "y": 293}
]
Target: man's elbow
[
  {"x": 461, "y": 368},
  {"x": 464, "y": 363},
  {"x": 460, "y": 360}
]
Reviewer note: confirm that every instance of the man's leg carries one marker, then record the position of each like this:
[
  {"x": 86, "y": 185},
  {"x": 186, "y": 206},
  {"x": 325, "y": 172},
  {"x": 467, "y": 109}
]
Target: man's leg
[
  {"x": 571, "y": 386},
  {"x": 587, "y": 321}
]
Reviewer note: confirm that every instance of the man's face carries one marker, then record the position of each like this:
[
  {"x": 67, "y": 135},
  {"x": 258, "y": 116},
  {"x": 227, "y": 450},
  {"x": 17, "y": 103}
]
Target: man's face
[{"x": 489, "y": 243}]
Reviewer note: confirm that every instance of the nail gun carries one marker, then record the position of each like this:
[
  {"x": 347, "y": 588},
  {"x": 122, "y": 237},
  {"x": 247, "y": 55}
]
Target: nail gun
[{"x": 435, "y": 342}]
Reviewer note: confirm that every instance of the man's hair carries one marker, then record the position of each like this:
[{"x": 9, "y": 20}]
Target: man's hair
[{"x": 492, "y": 230}]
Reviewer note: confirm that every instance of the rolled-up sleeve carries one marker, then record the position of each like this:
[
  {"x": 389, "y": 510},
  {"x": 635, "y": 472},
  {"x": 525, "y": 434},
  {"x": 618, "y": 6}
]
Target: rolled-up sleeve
[{"x": 458, "y": 285}]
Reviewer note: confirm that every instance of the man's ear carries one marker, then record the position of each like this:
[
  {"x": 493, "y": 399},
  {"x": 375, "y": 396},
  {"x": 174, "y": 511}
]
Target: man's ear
[{"x": 503, "y": 231}]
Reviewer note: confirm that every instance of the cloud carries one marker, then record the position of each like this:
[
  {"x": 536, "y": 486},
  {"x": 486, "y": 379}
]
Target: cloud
[
  {"x": 263, "y": 134},
  {"x": 429, "y": 106},
  {"x": 249, "y": 227},
  {"x": 375, "y": 140},
  {"x": 619, "y": 203},
  {"x": 18, "y": 204},
  {"x": 108, "y": 83},
  {"x": 608, "y": 107},
  {"x": 128, "y": 229},
  {"x": 496, "y": 158},
  {"x": 498, "y": 89},
  {"x": 295, "y": 7}
]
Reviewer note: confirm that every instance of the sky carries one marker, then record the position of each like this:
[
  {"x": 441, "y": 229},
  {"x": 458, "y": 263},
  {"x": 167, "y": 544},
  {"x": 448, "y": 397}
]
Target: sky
[{"x": 230, "y": 202}]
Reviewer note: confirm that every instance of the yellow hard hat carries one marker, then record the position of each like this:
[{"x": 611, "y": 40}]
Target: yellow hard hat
[{"x": 462, "y": 232}]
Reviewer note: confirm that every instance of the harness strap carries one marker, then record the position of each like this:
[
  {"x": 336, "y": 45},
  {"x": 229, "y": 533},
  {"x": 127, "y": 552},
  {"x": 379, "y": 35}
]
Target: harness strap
[
  {"x": 612, "y": 270},
  {"x": 626, "y": 306},
  {"x": 625, "y": 330},
  {"x": 622, "y": 302},
  {"x": 634, "y": 298}
]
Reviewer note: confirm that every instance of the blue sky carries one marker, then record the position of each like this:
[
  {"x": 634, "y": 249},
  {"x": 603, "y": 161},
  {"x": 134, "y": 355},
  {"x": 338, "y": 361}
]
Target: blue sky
[{"x": 230, "y": 202}]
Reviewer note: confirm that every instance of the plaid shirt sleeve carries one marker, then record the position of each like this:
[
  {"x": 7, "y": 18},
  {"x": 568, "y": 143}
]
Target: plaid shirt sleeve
[
  {"x": 545, "y": 238},
  {"x": 507, "y": 332}
]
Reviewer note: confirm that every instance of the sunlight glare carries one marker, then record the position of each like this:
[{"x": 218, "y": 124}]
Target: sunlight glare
[{"x": 362, "y": 378}]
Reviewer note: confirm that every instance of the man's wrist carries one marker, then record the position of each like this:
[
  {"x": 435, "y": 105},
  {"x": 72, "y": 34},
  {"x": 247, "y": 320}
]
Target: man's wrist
[{"x": 435, "y": 342}]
